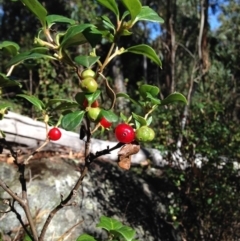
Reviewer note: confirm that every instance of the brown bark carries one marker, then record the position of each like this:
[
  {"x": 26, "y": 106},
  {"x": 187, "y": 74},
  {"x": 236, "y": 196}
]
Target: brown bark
[{"x": 171, "y": 46}]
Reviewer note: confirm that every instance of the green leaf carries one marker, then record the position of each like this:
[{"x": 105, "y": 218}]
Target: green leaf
[
  {"x": 36, "y": 53},
  {"x": 154, "y": 101},
  {"x": 111, "y": 5},
  {"x": 61, "y": 104},
  {"x": 6, "y": 81},
  {"x": 109, "y": 223},
  {"x": 126, "y": 232},
  {"x": 92, "y": 97},
  {"x": 11, "y": 47},
  {"x": 37, "y": 9},
  {"x": 175, "y": 97},
  {"x": 4, "y": 106},
  {"x": 86, "y": 60},
  {"x": 107, "y": 35},
  {"x": 72, "y": 120},
  {"x": 56, "y": 101},
  {"x": 74, "y": 35},
  {"x": 52, "y": 19},
  {"x": 148, "y": 14},
  {"x": 66, "y": 106},
  {"x": 149, "y": 120},
  {"x": 123, "y": 117},
  {"x": 107, "y": 23},
  {"x": 145, "y": 50},
  {"x": 86, "y": 237},
  {"x": 139, "y": 119},
  {"x": 144, "y": 89},
  {"x": 126, "y": 32},
  {"x": 93, "y": 36},
  {"x": 80, "y": 97},
  {"x": 34, "y": 100},
  {"x": 109, "y": 115},
  {"x": 27, "y": 238},
  {"x": 126, "y": 96},
  {"x": 134, "y": 7}
]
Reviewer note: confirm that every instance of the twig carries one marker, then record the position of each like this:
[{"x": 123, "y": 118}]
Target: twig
[
  {"x": 89, "y": 158},
  {"x": 36, "y": 151},
  {"x": 69, "y": 231},
  {"x": 24, "y": 200}
]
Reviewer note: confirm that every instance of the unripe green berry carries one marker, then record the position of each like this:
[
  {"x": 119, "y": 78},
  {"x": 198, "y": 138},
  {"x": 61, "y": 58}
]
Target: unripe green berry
[
  {"x": 89, "y": 85},
  {"x": 87, "y": 73},
  {"x": 93, "y": 113},
  {"x": 144, "y": 134}
]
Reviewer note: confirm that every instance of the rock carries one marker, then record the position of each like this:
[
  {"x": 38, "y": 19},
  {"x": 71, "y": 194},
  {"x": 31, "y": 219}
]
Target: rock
[{"x": 106, "y": 190}]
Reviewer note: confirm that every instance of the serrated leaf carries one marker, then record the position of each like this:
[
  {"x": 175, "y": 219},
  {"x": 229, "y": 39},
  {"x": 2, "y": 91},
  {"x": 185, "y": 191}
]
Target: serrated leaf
[
  {"x": 53, "y": 18},
  {"x": 126, "y": 232},
  {"x": 133, "y": 6},
  {"x": 144, "y": 89},
  {"x": 145, "y": 50},
  {"x": 109, "y": 115},
  {"x": 34, "y": 100},
  {"x": 109, "y": 223},
  {"x": 6, "y": 81},
  {"x": 111, "y": 5},
  {"x": 139, "y": 119},
  {"x": 126, "y": 96},
  {"x": 86, "y": 237},
  {"x": 11, "y": 47},
  {"x": 86, "y": 61},
  {"x": 74, "y": 35},
  {"x": 175, "y": 97},
  {"x": 37, "y": 9},
  {"x": 72, "y": 120},
  {"x": 36, "y": 53},
  {"x": 148, "y": 14}
]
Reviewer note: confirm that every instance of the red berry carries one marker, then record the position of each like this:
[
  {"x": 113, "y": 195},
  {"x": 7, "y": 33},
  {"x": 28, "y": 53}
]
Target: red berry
[
  {"x": 94, "y": 104},
  {"x": 54, "y": 134},
  {"x": 105, "y": 123},
  {"x": 124, "y": 133}
]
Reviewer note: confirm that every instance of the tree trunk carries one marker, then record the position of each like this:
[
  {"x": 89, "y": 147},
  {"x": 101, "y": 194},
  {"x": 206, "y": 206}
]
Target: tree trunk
[
  {"x": 171, "y": 44},
  {"x": 119, "y": 82}
]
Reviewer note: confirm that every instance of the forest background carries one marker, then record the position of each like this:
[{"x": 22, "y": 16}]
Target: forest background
[{"x": 198, "y": 61}]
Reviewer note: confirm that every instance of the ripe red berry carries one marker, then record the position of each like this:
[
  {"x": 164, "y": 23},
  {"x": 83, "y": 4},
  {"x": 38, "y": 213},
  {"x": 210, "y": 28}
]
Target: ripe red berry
[
  {"x": 124, "y": 133},
  {"x": 54, "y": 134},
  {"x": 94, "y": 104},
  {"x": 105, "y": 123}
]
